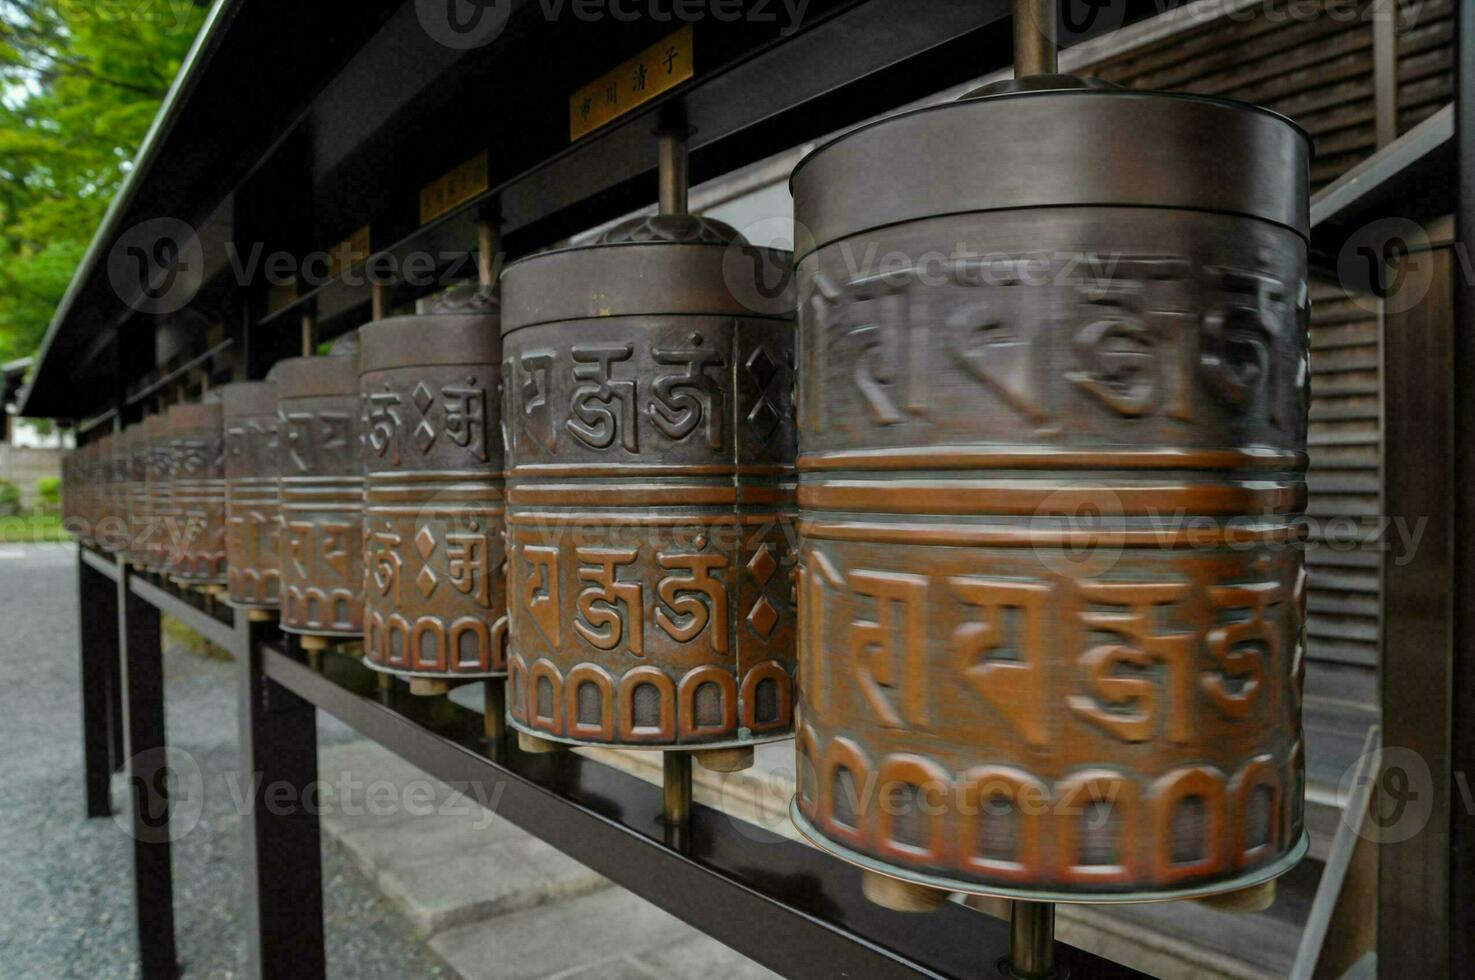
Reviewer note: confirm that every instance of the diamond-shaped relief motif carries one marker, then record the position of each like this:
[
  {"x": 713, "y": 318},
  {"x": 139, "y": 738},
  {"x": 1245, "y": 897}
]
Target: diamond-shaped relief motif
[
  {"x": 424, "y": 436},
  {"x": 764, "y": 419},
  {"x": 427, "y": 581},
  {"x": 762, "y": 367},
  {"x": 423, "y": 397},
  {"x": 763, "y": 617},
  {"x": 425, "y": 542},
  {"x": 762, "y": 565}
]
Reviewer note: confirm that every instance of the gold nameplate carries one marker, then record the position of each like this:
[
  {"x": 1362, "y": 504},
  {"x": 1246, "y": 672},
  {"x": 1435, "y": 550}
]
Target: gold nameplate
[
  {"x": 657, "y": 69},
  {"x": 348, "y": 253},
  {"x": 455, "y": 188},
  {"x": 280, "y": 297}
]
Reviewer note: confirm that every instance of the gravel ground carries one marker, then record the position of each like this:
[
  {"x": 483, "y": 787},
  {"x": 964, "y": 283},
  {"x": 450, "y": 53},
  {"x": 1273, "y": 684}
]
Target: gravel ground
[{"x": 66, "y": 900}]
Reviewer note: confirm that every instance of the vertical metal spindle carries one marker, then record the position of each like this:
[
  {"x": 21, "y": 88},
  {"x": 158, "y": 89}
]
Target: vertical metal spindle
[
  {"x": 674, "y": 199},
  {"x": 677, "y": 772},
  {"x": 675, "y": 177},
  {"x": 309, "y": 334},
  {"x": 1032, "y": 940},
  {"x": 1034, "y": 38},
  {"x": 489, "y": 247},
  {"x": 381, "y": 300}
]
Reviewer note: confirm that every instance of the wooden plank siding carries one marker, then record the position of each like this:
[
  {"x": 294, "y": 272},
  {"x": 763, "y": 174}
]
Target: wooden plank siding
[{"x": 1320, "y": 71}]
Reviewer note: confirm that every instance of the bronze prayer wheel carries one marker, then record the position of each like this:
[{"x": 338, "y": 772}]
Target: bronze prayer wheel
[
  {"x": 434, "y": 508},
  {"x": 197, "y": 492},
  {"x": 1053, "y": 411},
  {"x": 649, "y": 423},
  {"x": 113, "y": 520},
  {"x": 322, "y": 487},
  {"x": 68, "y": 500},
  {"x": 163, "y": 521},
  {"x": 252, "y": 515},
  {"x": 135, "y": 491},
  {"x": 86, "y": 493}
]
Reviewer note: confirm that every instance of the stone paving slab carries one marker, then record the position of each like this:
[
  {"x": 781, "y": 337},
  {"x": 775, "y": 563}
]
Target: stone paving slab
[
  {"x": 484, "y": 880},
  {"x": 610, "y": 935},
  {"x": 496, "y": 902}
]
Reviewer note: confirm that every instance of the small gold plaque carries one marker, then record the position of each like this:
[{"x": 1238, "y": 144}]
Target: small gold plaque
[
  {"x": 457, "y": 187},
  {"x": 280, "y": 297},
  {"x": 657, "y": 69},
  {"x": 348, "y": 253}
]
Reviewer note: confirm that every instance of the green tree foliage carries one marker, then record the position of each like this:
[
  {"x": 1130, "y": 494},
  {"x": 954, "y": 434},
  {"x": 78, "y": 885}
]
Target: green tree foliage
[
  {"x": 9, "y": 498},
  {"x": 48, "y": 489},
  {"x": 80, "y": 83}
]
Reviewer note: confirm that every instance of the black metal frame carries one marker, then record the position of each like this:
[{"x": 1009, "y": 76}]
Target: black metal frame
[{"x": 792, "y": 908}]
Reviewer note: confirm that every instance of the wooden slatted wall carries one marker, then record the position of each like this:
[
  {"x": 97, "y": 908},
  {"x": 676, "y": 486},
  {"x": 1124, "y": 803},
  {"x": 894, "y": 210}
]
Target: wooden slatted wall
[{"x": 1425, "y": 60}]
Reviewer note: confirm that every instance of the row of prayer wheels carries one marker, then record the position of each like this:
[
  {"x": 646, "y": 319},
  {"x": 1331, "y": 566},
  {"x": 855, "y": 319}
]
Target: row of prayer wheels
[{"x": 1001, "y": 528}]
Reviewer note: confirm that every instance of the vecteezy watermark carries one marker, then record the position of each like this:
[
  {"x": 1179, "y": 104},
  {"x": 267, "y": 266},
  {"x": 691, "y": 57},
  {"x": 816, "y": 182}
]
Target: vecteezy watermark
[
  {"x": 789, "y": 13},
  {"x": 157, "y": 266},
  {"x": 170, "y": 794},
  {"x": 173, "y": 16},
  {"x": 1404, "y": 797},
  {"x": 166, "y": 793},
  {"x": 463, "y": 24},
  {"x": 756, "y": 802},
  {"x": 314, "y": 269},
  {"x": 1388, "y": 265},
  {"x": 467, "y": 24}
]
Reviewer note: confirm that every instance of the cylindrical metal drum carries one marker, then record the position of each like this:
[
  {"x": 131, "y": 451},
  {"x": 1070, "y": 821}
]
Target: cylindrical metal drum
[
  {"x": 78, "y": 505},
  {"x": 197, "y": 481},
  {"x": 135, "y": 492},
  {"x": 649, "y": 427},
  {"x": 322, "y": 490},
  {"x": 83, "y": 492},
  {"x": 163, "y": 522},
  {"x": 253, "y": 517},
  {"x": 87, "y": 492},
  {"x": 69, "y": 491},
  {"x": 113, "y": 523},
  {"x": 434, "y": 509},
  {"x": 1053, "y": 407}
]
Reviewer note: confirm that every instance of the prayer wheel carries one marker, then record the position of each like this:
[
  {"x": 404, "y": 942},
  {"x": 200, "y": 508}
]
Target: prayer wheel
[
  {"x": 649, "y": 429},
  {"x": 68, "y": 502},
  {"x": 113, "y": 517},
  {"x": 164, "y": 522},
  {"x": 197, "y": 492},
  {"x": 86, "y": 493},
  {"x": 135, "y": 491},
  {"x": 434, "y": 508},
  {"x": 1052, "y": 447},
  {"x": 253, "y": 517},
  {"x": 322, "y": 487}
]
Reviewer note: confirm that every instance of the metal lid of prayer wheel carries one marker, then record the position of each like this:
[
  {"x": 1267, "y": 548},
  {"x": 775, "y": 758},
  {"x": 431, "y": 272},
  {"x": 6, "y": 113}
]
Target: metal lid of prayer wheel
[
  {"x": 649, "y": 424},
  {"x": 1053, "y": 413},
  {"x": 322, "y": 576},
  {"x": 252, "y": 511},
  {"x": 197, "y": 492},
  {"x": 1090, "y": 147},
  {"x": 434, "y": 516}
]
